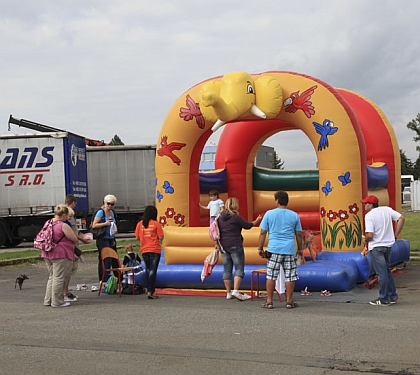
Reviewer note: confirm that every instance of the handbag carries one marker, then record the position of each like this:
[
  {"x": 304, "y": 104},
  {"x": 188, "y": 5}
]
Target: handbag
[{"x": 98, "y": 232}]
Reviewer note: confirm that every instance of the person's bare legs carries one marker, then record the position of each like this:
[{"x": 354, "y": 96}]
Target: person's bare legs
[
  {"x": 228, "y": 285},
  {"x": 290, "y": 287},
  {"x": 66, "y": 288},
  {"x": 270, "y": 284},
  {"x": 237, "y": 280}
]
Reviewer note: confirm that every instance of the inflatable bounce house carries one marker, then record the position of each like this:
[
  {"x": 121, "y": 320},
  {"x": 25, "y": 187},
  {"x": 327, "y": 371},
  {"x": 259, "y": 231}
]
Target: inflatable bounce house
[{"x": 357, "y": 154}]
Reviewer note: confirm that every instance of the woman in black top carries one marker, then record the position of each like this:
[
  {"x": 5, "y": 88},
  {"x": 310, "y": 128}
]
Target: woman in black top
[{"x": 231, "y": 225}]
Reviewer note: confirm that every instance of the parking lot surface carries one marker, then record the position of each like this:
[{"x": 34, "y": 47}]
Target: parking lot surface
[{"x": 203, "y": 335}]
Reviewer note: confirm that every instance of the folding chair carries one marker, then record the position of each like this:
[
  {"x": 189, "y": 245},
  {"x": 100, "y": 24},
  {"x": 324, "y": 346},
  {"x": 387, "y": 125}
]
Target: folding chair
[
  {"x": 109, "y": 252},
  {"x": 257, "y": 273}
]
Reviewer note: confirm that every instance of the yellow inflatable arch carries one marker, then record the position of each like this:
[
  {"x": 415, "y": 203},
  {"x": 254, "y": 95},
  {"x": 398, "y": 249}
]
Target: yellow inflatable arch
[{"x": 348, "y": 132}]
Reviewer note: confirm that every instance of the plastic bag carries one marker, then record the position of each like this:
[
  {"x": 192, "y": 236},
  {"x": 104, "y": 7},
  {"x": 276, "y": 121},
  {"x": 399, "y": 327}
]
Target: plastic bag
[{"x": 113, "y": 230}]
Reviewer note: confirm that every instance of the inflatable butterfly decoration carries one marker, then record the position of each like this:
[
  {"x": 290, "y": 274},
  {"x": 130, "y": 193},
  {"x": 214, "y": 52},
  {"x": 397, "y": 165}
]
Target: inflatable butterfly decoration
[{"x": 327, "y": 188}]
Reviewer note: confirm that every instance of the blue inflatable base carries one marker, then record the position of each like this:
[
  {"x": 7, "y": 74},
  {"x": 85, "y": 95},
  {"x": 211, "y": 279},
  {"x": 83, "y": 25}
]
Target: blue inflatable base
[{"x": 333, "y": 271}]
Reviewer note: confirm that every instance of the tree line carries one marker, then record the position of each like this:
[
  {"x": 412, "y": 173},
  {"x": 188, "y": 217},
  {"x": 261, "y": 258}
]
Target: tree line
[{"x": 408, "y": 166}]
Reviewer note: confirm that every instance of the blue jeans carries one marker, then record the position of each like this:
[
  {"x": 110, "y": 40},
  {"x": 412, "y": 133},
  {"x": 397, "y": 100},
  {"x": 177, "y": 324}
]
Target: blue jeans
[
  {"x": 108, "y": 262},
  {"x": 151, "y": 261},
  {"x": 233, "y": 256},
  {"x": 380, "y": 260}
]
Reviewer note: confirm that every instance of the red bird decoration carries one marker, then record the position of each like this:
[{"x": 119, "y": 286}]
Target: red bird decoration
[
  {"x": 166, "y": 149},
  {"x": 296, "y": 101},
  {"x": 192, "y": 111}
]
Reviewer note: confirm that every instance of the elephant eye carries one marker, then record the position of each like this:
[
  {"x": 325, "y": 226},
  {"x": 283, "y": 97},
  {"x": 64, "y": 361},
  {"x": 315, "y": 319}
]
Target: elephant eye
[{"x": 250, "y": 88}]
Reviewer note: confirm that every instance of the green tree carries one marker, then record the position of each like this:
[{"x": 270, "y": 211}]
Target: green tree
[
  {"x": 414, "y": 125},
  {"x": 116, "y": 141},
  {"x": 407, "y": 166},
  {"x": 277, "y": 163}
]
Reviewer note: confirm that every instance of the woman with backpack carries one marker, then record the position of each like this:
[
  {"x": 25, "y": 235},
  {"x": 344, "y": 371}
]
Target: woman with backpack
[
  {"x": 59, "y": 259},
  {"x": 231, "y": 225},
  {"x": 150, "y": 234},
  {"x": 104, "y": 218}
]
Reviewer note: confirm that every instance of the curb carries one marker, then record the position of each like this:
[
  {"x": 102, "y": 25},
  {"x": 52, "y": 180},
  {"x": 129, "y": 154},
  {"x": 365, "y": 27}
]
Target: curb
[{"x": 14, "y": 261}]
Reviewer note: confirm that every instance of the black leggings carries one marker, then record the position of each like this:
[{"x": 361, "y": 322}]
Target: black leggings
[
  {"x": 151, "y": 260},
  {"x": 108, "y": 262}
]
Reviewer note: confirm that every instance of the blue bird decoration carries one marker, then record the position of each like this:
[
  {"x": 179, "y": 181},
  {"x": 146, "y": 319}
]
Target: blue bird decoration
[{"x": 326, "y": 129}]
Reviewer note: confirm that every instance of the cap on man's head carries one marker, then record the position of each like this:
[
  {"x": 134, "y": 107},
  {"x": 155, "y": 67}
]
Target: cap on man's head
[{"x": 370, "y": 199}]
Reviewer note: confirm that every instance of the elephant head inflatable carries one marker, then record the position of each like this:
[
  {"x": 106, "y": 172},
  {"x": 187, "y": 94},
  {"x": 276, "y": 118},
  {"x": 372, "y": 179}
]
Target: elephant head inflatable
[{"x": 238, "y": 96}]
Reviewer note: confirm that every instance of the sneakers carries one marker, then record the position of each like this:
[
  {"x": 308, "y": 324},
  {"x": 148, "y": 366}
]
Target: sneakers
[
  {"x": 81, "y": 287},
  {"x": 70, "y": 298},
  {"x": 305, "y": 292},
  {"x": 65, "y": 304},
  {"x": 229, "y": 295},
  {"x": 240, "y": 296},
  {"x": 377, "y": 302},
  {"x": 393, "y": 302}
]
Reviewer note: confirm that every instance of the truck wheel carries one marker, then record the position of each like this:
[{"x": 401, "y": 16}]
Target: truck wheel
[
  {"x": 28, "y": 232},
  {"x": 3, "y": 236},
  {"x": 13, "y": 243}
]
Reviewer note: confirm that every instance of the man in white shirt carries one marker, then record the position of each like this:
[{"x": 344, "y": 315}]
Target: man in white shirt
[{"x": 379, "y": 237}]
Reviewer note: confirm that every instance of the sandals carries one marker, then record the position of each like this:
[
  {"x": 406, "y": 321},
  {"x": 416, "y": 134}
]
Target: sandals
[
  {"x": 291, "y": 305},
  {"x": 152, "y": 296},
  {"x": 305, "y": 292},
  {"x": 325, "y": 293},
  {"x": 267, "y": 305}
]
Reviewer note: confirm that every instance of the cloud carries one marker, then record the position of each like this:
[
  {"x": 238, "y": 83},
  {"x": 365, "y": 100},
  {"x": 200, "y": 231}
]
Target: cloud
[{"x": 100, "y": 68}]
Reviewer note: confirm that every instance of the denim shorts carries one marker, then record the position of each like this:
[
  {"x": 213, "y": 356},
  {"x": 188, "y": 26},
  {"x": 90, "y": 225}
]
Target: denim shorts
[{"x": 233, "y": 256}]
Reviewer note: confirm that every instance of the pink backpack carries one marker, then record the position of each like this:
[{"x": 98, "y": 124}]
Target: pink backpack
[
  {"x": 214, "y": 232},
  {"x": 44, "y": 239}
]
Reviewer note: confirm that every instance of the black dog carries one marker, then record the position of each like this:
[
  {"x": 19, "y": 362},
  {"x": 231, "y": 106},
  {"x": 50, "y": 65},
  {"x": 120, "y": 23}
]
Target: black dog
[{"x": 20, "y": 279}]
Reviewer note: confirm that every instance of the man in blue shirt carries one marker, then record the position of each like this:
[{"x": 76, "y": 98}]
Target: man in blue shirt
[{"x": 283, "y": 226}]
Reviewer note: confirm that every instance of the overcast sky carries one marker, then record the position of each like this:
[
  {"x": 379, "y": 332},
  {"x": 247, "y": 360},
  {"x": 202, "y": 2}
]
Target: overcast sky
[{"x": 99, "y": 68}]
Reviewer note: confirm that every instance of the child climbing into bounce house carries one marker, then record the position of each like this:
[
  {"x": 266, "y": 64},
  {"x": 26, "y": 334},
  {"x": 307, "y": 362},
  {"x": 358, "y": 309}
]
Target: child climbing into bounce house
[
  {"x": 308, "y": 238},
  {"x": 215, "y": 205}
]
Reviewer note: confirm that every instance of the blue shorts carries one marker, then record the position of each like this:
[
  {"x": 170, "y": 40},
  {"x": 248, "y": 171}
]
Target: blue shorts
[{"x": 288, "y": 262}]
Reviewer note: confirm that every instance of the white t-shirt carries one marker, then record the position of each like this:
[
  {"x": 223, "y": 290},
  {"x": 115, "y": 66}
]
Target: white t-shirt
[
  {"x": 379, "y": 222},
  {"x": 215, "y": 206}
]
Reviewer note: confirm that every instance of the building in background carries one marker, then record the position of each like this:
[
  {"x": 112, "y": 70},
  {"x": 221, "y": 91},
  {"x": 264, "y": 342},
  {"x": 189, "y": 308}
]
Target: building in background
[
  {"x": 208, "y": 157},
  {"x": 264, "y": 158}
]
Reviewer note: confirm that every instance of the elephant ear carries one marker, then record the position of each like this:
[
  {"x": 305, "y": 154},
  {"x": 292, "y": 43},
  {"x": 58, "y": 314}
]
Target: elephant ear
[
  {"x": 269, "y": 95},
  {"x": 209, "y": 87}
]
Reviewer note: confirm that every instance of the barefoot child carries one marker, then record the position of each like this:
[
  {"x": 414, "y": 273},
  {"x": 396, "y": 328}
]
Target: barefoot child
[{"x": 215, "y": 205}]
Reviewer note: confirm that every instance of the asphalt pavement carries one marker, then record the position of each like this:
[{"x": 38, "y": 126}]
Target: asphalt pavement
[{"x": 204, "y": 335}]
